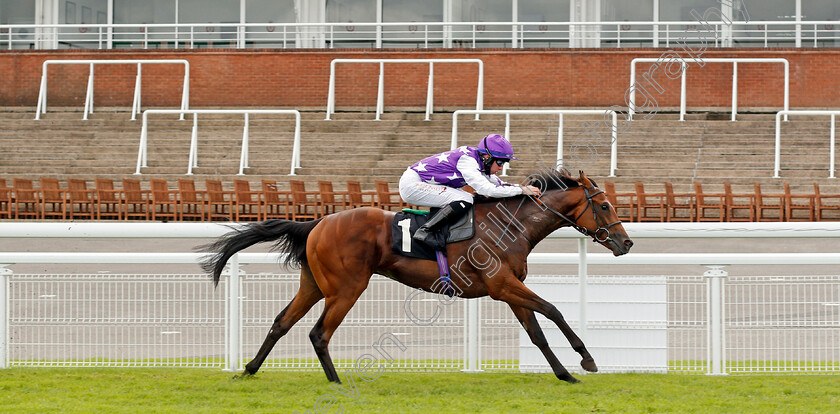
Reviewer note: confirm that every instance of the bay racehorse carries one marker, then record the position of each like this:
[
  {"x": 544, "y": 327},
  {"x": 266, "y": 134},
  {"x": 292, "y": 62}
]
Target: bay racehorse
[{"x": 337, "y": 255}]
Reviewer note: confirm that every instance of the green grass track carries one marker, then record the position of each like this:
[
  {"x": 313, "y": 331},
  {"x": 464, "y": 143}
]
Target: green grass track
[{"x": 176, "y": 390}]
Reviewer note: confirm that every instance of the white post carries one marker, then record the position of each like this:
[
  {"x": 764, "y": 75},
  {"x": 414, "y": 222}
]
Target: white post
[
  {"x": 453, "y": 143},
  {"x": 472, "y": 333},
  {"x": 42, "y": 94},
  {"x": 193, "y": 161},
  {"x": 135, "y": 104},
  {"x": 5, "y": 276},
  {"x": 778, "y": 152},
  {"x": 296, "y": 146},
  {"x": 331, "y": 92},
  {"x": 380, "y": 91},
  {"x": 233, "y": 316},
  {"x": 479, "y": 96},
  {"x": 682, "y": 90},
  {"x": 559, "y": 160},
  {"x": 141, "y": 152},
  {"x": 89, "y": 95},
  {"x": 507, "y": 135},
  {"x": 185, "y": 98},
  {"x": 243, "y": 157},
  {"x": 787, "y": 87},
  {"x": 632, "y": 105},
  {"x": 582, "y": 275},
  {"x": 831, "y": 149},
  {"x": 614, "y": 149},
  {"x": 716, "y": 277},
  {"x": 734, "y": 90},
  {"x": 430, "y": 95}
]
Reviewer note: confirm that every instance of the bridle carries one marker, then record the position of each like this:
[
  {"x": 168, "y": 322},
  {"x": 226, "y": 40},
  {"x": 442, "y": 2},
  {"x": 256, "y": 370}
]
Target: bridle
[
  {"x": 603, "y": 229},
  {"x": 602, "y": 234}
]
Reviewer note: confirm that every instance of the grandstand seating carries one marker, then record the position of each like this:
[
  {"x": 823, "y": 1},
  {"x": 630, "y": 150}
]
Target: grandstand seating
[
  {"x": 163, "y": 203},
  {"x": 353, "y": 152}
]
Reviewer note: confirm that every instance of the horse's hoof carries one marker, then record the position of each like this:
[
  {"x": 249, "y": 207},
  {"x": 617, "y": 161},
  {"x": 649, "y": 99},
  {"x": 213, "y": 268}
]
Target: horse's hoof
[
  {"x": 570, "y": 379},
  {"x": 243, "y": 375},
  {"x": 589, "y": 365}
]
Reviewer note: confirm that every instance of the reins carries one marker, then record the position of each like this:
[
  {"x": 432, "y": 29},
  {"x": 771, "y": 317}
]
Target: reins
[{"x": 600, "y": 235}]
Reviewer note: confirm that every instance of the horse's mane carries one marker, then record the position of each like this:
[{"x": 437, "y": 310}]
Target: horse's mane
[
  {"x": 553, "y": 180},
  {"x": 546, "y": 181}
]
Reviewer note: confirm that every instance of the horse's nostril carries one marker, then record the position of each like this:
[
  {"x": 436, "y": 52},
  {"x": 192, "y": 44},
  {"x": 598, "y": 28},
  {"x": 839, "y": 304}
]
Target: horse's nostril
[{"x": 628, "y": 243}]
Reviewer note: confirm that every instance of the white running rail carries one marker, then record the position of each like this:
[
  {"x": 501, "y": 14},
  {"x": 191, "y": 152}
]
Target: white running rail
[
  {"x": 777, "y": 166},
  {"x": 380, "y": 95},
  {"x": 684, "y": 68},
  {"x": 716, "y": 344},
  {"x": 193, "y": 159},
  {"x": 135, "y": 106},
  {"x": 559, "y": 113}
]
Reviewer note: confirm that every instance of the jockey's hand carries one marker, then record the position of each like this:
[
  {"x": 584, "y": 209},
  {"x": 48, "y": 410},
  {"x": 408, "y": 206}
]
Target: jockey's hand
[{"x": 531, "y": 190}]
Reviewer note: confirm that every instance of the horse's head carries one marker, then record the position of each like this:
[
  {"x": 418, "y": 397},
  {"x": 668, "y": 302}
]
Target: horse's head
[
  {"x": 596, "y": 217},
  {"x": 581, "y": 204}
]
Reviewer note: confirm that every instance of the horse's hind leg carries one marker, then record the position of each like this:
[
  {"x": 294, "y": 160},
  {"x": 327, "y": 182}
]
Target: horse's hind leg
[
  {"x": 529, "y": 323},
  {"x": 308, "y": 295},
  {"x": 516, "y": 293}
]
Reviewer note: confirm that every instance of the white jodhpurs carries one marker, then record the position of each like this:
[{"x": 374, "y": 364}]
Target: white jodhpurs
[{"x": 414, "y": 191}]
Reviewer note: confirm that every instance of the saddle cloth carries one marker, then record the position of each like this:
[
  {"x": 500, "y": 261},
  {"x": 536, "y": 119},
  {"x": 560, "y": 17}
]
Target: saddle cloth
[{"x": 405, "y": 224}]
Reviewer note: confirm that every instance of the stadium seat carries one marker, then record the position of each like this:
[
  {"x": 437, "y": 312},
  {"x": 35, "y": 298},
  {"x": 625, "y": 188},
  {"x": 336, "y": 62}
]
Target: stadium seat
[
  {"x": 675, "y": 202},
  {"x": 248, "y": 205},
  {"x": 821, "y": 207},
  {"x": 25, "y": 199},
  {"x": 628, "y": 202},
  {"x": 356, "y": 197},
  {"x": 53, "y": 202},
  {"x": 330, "y": 200},
  {"x": 384, "y": 196},
  {"x": 5, "y": 200},
  {"x": 705, "y": 203},
  {"x": 219, "y": 201},
  {"x": 191, "y": 203},
  {"x": 135, "y": 201},
  {"x": 80, "y": 201},
  {"x": 305, "y": 204},
  {"x": 277, "y": 203},
  {"x": 736, "y": 202},
  {"x": 647, "y": 202},
  {"x": 791, "y": 206},
  {"x": 108, "y": 199},
  {"x": 763, "y": 202},
  {"x": 164, "y": 202}
]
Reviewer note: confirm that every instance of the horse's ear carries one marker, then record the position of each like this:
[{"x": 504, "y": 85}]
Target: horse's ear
[{"x": 583, "y": 179}]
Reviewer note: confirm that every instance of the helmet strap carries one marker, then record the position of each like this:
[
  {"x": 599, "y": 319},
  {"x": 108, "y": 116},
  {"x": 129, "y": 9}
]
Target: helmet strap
[{"x": 487, "y": 163}]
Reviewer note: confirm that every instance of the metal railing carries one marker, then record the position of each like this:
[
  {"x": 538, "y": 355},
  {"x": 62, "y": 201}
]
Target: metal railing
[
  {"x": 380, "y": 91},
  {"x": 559, "y": 113},
  {"x": 415, "y": 34},
  {"x": 228, "y": 313},
  {"x": 135, "y": 105},
  {"x": 778, "y": 146},
  {"x": 193, "y": 158},
  {"x": 674, "y": 58}
]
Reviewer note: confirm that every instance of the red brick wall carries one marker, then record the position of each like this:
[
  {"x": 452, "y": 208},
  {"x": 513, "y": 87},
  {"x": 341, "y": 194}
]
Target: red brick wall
[{"x": 513, "y": 78}]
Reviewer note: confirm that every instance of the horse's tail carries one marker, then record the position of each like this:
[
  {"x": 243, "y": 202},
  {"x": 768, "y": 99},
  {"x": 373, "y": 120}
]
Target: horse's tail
[{"x": 290, "y": 238}]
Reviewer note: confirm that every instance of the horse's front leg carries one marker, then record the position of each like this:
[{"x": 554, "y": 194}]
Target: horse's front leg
[
  {"x": 529, "y": 323},
  {"x": 515, "y": 293}
]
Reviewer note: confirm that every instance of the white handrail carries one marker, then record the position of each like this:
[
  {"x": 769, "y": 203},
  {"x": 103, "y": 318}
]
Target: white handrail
[
  {"x": 380, "y": 97},
  {"x": 421, "y": 34},
  {"x": 684, "y": 68},
  {"x": 193, "y": 158},
  {"x": 135, "y": 106},
  {"x": 559, "y": 113},
  {"x": 778, "y": 152},
  {"x": 582, "y": 258}
]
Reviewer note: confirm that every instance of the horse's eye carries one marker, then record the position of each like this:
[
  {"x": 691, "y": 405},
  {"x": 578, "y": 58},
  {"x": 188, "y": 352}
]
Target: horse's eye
[{"x": 605, "y": 207}]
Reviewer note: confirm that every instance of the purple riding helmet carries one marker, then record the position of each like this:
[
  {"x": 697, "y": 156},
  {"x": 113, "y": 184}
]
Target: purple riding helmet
[{"x": 498, "y": 147}]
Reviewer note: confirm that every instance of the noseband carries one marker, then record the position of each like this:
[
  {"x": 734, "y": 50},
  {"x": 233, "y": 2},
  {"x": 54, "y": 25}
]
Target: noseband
[{"x": 602, "y": 234}]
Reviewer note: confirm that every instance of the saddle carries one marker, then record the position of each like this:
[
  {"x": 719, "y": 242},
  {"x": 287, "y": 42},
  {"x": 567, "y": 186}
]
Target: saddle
[{"x": 407, "y": 222}]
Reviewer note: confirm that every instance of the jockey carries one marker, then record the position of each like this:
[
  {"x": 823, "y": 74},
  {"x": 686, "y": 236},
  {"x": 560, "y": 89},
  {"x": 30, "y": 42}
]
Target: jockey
[{"x": 436, "y": 181}]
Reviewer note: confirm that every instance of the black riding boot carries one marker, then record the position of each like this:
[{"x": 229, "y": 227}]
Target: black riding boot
[{"x": 447, "y": 214}]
